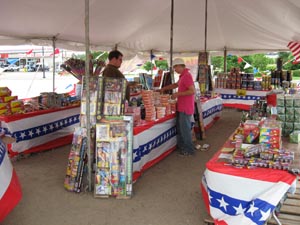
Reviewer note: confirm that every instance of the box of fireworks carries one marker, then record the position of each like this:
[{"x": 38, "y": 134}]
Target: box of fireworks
[
  {"x": 252, "y": 136},
  {"x": 271, "y": 99},
  {"x": 297, "y": 118},
  {"x": 289, "y": 101},
  {"x": 288, "y": 125},
  {"x": 113, "y": 172},
  {"x": 238, "y": 141},
  {"x": 76, "y": 161},
  {"x": 280, "y": 110},
  {"x": 238, "y": 154},
  {"x": 5, "y": 112},
  {"x": 240, "y": 161},
  {"x": 16, "y": 104},
  {"x": 269, "y": 139},
  {"x": 276, "y": 165},
  {"x": 286, "y": 156},
  {"x": 297, "y": 111},
  {"x": 249, "y": 126},
  {"x": 296, "y": 126},
  {"x": 267, "y": 155},
  {"x": 257, "y": 162},
  {"x": 4, "y": 99},
  {"x": 253, "y": 150},
  {"x": 16, "y": 110},
  {"x": 272, "y": 145},
  {"x": 297, "y": 101},
  {"x": 4, "y": 106},
  {"x": 289, "y": 117},
  {"x": 295, "y": 136},
  {"x": 264, "y": 131},
  {"x": 289, "y": 110},
  {"x": 5, "y": 91}
]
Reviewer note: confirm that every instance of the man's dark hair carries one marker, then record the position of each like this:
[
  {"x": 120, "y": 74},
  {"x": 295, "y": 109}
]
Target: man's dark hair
[{"x": 114, "y": 54}]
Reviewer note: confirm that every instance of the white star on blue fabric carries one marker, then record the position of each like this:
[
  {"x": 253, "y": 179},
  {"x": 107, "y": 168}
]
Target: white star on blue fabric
[
  {"x": 252, "y": 208},
  {"x": 30, "y": 133},
  {"x": 51, "y": 127},
  {"x": 223, "y": 203},
  {"x": 38, "y": 131},
  {"x": 265, "y": 215},
  {"x": 239, "y": 210},
  {"x": 23, "y": 135},
  {"x": 45, "y": 129}
]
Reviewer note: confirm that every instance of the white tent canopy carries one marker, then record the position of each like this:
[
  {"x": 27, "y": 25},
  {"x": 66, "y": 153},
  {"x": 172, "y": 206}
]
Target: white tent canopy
[{"x": 143, "y": 25}]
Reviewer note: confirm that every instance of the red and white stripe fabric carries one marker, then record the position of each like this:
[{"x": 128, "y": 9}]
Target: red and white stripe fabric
[
  {"x": 152, "y": 142},
  {"x": 294, "y": 47},
  {"x": 10, "y": 189},
  {"x": 40, "y": 130},
  {"x": 235, "y": 196}
]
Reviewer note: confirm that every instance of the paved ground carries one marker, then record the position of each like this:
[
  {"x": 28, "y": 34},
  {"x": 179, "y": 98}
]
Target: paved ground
[
  {"x": 168, "y": 193},
  {"x": 31, "y": 84}
]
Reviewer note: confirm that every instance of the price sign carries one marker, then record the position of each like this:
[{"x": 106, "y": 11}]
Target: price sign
[{"x": 241, "y": 92}]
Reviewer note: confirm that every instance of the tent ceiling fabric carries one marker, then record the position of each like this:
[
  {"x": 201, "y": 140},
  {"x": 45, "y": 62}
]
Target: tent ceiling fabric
[{"x": 143, "y": 25}]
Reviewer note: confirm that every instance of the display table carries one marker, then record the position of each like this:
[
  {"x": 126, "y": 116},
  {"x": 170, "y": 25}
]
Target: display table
[
  {"x": 40, "y": 130},
  {"x": 10, "y": 189},
  {"x": 211, "y": 110},
  {"x": 152, "y": 142},
  {"x": 233, "y": 100},
  {"x": 243, "y": 196}
]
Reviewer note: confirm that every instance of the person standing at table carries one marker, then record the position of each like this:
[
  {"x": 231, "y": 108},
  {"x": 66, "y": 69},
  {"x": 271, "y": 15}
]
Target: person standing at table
[
  {"x": 115, "y": 59},
  {"x": 185, "y": 107}
]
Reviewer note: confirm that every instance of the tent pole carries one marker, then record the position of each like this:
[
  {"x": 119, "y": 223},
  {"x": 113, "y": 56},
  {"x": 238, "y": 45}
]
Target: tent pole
[
  {"x": 43, "y": 62},
  {"x": 87, "y": 79},
  {"x": 53, "y": 44},
  {"x": 225, "y": 59},
  {"x": 171, "y": 41},
  {"x": 205, "y": 34},
  {"x": 151, "y": 53}
]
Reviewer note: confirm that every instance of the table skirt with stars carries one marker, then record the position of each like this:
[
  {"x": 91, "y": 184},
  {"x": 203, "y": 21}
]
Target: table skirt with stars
[
  {"x": 40, "y": 130},
  {"x": 232, "y": 100},
  {"x": 242, "y": 196},
  {"x": 152, "y": 142}
]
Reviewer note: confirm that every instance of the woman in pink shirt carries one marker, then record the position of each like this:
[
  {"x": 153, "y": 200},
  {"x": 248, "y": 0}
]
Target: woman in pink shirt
[{"x": 185, "y": 107}]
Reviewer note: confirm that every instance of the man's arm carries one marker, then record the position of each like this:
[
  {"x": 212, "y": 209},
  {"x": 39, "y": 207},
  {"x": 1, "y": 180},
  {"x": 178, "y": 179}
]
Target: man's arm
[{"x": 189, "y": 91}]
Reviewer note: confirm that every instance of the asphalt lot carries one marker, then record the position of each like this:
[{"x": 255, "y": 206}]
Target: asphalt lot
[{"x": 30, "y": 84}]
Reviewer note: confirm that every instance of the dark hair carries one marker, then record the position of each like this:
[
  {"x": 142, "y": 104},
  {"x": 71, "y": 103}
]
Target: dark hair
[{"x": 114, "y": 54}]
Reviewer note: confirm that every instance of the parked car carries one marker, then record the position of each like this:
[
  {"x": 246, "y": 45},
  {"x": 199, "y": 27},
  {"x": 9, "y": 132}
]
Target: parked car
[
  {"x": 29, "y": 68},
  {"x": 12, "y": 68},
  {"x": 39, "y": 67}
]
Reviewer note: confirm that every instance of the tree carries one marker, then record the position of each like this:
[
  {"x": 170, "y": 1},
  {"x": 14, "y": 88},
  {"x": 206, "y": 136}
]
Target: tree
[
  {"x": 148, "y": 66},
  {"x": 162, "y": 64}
]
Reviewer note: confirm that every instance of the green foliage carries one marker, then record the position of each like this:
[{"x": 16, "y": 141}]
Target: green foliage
[
  {"x": 148, "y": 66},
  {"x": 271, "y": 67},
  {"x": 259, "y": 61},
  {"x": 162, "y": 64},
  {"x": 296, "y": 73}
]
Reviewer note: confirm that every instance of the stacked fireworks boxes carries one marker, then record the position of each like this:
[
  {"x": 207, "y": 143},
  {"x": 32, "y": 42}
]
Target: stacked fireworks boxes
[
  {"x": 114, "y": 135},
  {"x": 267, "y": 153},
  {"x": 221, "y": 80},
  {"x": 9, "y": 104},
  {"x": 288, "y": 109},
  {"x": 234, "y": 79}
]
